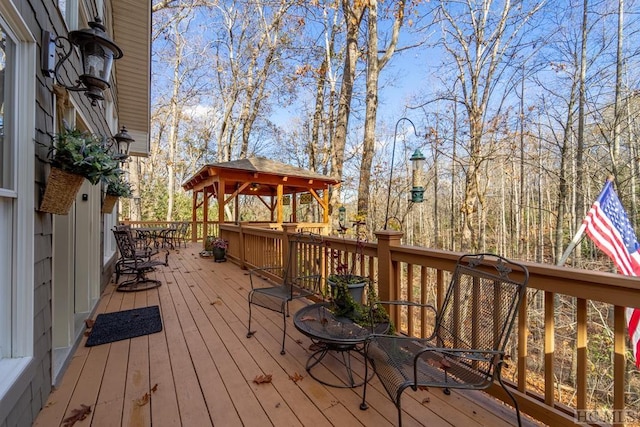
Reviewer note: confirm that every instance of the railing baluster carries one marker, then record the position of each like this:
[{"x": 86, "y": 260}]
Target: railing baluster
[
  {"x": 549, "y": 348},
  {"x": 581, "y": 355},
  {"x": 620, "y": 327},
  {"x": 523, "y": 333}
]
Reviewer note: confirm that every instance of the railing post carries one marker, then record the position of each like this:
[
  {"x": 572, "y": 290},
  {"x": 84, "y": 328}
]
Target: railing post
[
  {"x": 288, "y": 229},
  {"x": 387, "y": 274},
  {"x": 241, "y": 252}
]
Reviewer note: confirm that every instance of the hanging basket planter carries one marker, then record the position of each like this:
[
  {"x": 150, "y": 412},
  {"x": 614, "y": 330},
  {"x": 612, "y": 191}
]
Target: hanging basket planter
[
  {"x": 60, "y": 193},
  {"x": 108, "y": 203}
]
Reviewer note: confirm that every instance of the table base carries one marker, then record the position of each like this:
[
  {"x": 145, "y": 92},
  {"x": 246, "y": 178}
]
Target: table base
[{"x": 346, "y": 353}]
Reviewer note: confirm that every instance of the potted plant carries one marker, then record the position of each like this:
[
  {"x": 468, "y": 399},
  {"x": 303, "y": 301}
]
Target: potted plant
[
  {"x": 220, "y": 246},
  {"x": 74, "y": 155},
  {"x": 347, "y": 290},
  {"x": 116, "y": 187},
  {"x": 344, "y": 280},
  {"x": 216, "y": 247}
]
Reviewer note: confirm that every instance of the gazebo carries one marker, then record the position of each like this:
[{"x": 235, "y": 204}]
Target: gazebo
[{"x": 274, "y": 183}]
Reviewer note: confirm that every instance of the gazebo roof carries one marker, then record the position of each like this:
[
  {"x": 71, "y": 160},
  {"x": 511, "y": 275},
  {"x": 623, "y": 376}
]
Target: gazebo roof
[{"x": 263, "y": 174}]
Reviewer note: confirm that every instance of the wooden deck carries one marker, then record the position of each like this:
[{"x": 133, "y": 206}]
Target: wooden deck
[{"x": 202, "y": 367}]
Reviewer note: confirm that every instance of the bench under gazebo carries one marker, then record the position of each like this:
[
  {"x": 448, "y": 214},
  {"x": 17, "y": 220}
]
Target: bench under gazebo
[{"x": 274, "y": 183}]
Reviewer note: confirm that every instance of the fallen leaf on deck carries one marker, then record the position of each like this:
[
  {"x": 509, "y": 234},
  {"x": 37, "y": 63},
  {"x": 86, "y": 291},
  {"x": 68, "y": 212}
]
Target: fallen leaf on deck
[
  {"x": 426, "y": 400},
  {"x": 308, "y": 318},
  {"x": 218, "y": 301},
  {"x": 278, "y": 405},
  {"x": 296, "y": 377},
  {"x": 77, "y": 415},
  {"x": 423, "y": 388},
  {"x": 147, "y": 396},
  {"x": 298, "y": 341},
  {"x": 262, "y": 379},
  {"x": 143, "y": 400},
  {"x": 89, "y": 323},
  {"x": 316, "y": 346}
]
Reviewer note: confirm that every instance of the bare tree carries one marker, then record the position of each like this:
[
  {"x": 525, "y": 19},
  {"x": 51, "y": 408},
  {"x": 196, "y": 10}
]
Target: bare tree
[
  {"x": 482, "y": 38},
  {"x": 375, "y": 64}
]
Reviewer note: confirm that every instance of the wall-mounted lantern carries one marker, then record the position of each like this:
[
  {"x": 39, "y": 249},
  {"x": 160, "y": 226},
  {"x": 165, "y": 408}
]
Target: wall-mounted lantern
[
  {"x": 417, "y": 179},
  {"x": 123, "y": 141},
  {"x": 97, "y": 52}
]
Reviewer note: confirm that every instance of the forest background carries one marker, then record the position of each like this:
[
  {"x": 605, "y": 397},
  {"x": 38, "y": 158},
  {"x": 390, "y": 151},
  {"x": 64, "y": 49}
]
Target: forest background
[{"x": 522, "y": 108}]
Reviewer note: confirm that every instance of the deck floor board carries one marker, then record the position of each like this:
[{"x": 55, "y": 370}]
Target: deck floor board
[{"x": 199, "y": 369}]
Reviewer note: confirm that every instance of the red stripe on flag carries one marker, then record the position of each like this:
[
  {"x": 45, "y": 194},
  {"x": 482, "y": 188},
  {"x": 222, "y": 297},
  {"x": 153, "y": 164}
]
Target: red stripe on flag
[
  {"x": 604, "y": 233},
  {"x": 634, "y": 333}
]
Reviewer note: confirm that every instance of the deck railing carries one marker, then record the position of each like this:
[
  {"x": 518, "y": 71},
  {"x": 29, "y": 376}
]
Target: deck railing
[{"x": 554, "y": 369}]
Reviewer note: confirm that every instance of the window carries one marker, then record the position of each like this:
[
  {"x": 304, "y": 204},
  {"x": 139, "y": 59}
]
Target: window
[
  {"x": 69, "y": 11},
  {"x": 17, "y": 153}
]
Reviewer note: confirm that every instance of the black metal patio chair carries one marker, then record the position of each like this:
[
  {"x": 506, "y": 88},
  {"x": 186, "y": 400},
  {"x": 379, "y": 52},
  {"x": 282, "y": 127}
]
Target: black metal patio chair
[
  {"x": 466, "y": 349},
  {"x": 135, "y": 261},
  {"x": 299, "y": 277}
]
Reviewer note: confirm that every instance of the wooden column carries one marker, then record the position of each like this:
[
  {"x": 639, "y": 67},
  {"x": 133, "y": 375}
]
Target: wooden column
[
  {"x": 294, "y": 207},
  {"x": 205, "y": 214},
  {"x": 220, "y": 201},
  {"x": 325, "y": 213},
  {"x": 194, "y": 216},
  {"x": 279, "y": 213}
]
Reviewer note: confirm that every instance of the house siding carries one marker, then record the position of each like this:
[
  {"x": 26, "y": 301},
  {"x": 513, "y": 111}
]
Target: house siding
[{"x": 30, "y": 393}]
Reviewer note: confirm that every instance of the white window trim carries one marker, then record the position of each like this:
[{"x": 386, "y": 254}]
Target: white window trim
[{"x": 14, "y": 372}]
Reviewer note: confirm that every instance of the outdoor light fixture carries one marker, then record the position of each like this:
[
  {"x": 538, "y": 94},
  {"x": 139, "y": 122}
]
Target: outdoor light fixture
[
  {"x": 97, "y": 52},
  {"x": 254, "y": 186},
  {"x": 417, "y": 179},
  {"x": 418, "y": 162},
  {"x": 124, "y": 140}
]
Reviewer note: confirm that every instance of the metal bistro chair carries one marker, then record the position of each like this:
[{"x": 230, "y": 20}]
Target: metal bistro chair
[
  {"x": 467, "y": 347},
  {"x": 301, "y": 276},
  {"x": 135, "y": 261},
  {"x": 180, "y": 236}
]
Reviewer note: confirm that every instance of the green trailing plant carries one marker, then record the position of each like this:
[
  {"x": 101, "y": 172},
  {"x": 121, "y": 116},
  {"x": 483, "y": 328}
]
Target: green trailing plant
[
  {"x": 117, "y": 186},
  {"x": 343, "y": 303},
  {"x": 83, "y": 154}
]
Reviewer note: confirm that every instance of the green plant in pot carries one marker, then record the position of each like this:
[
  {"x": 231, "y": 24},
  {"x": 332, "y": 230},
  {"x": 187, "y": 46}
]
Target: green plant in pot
[
  {"x": 116, "y": 187},
  {"x": 220, "y": 246},
  {"x": 347, "y": 290},
  {"x": 75, "y": 155}
]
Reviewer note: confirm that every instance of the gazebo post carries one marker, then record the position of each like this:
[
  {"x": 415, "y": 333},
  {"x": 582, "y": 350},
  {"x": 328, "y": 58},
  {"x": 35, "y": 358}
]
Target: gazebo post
[
  {"x": 194, "y": 216},
  {"x": 221, "y": 203},
  {"x": 325, "y": 211},
  {"x": 205, "y": 214},
  {"x": 294, "y": 206},
  {"x": 280, "y": 191}
]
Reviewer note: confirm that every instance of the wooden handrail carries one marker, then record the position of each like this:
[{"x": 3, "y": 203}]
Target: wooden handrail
[{"x": 420, "y": 274}]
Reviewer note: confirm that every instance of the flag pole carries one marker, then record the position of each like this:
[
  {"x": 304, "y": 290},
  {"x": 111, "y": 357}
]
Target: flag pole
[
  {"x": 574, "y": 242},
  {"x": 579, "y": 235}
]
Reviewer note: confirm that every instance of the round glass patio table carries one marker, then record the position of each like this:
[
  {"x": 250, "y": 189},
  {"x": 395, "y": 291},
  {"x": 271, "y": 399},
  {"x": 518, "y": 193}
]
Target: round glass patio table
[{"x": 335, "y": 335}]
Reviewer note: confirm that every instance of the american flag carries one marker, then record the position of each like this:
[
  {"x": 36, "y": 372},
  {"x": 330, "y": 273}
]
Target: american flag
[{"x": 608, "y": 226}]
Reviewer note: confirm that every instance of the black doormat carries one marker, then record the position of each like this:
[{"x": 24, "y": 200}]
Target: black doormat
[{"x": 122, "y": 325}]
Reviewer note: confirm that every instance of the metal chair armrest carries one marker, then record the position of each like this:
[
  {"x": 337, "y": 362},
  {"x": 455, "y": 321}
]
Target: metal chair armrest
[{"x": 256, "y": 271}]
